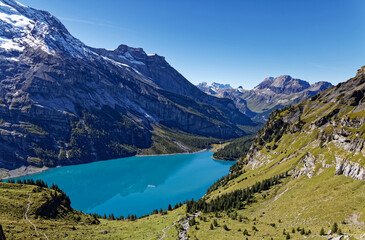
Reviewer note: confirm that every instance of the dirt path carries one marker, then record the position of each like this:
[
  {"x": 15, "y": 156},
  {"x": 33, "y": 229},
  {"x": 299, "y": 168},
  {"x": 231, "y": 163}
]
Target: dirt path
[
  {"x": 168, "y": 227},
  {"x": 26, "y": 217}
]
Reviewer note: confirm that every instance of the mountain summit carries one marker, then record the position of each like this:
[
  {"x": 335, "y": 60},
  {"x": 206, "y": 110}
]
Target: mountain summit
[
  {"x": 272, "y": 93},
  {"x": 284, "y": 84},
  {"x": 62, "y": 102}
]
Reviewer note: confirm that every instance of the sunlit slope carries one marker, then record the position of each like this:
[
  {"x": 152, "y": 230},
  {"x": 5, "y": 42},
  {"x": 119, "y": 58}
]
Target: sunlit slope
[
  {"x": 320, "y": 143},
  {"x": 67, "y": 223}
]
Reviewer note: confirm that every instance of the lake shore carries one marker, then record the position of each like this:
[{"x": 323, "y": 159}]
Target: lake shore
[
  {"x": 169, "y": 154},
  {"x": 30, "y": 170},
  {"x": 20, "y": 172},
  {"x": 223, "y": 160},
  {"x": 134, "y": 185}
]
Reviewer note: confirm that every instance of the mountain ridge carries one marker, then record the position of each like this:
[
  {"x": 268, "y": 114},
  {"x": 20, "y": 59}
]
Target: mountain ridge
[{"x": 272, "y": 93}]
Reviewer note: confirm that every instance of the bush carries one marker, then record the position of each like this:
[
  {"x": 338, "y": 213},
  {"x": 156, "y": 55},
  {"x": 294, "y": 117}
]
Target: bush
[{"x": 225, "y": 227}]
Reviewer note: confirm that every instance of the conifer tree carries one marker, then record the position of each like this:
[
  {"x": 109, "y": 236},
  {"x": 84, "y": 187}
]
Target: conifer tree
[
  {"x": 334, "y": 228},
  {"x": 215, "y": 223}
]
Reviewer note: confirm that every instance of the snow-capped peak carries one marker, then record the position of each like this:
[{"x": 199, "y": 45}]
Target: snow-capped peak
[{"x": 24, "y": 27}]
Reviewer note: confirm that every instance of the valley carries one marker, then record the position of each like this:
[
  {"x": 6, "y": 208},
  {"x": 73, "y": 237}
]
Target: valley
[{"x": 116, "y": 143}]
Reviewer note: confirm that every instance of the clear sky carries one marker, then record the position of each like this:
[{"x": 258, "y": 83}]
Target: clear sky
[{"x": 237, "y": 41}]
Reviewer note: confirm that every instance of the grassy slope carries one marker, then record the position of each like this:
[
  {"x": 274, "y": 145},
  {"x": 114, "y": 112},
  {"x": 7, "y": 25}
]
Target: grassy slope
[
  {"x": 315, "y": 197},
  {"x": 311, "y": 203},
  {"x": 73, "y": 224}
]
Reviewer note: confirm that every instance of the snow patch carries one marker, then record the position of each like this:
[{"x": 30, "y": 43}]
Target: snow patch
[
  {"x": 9, "y": 44},
  {"x": 15, "y": 19}
]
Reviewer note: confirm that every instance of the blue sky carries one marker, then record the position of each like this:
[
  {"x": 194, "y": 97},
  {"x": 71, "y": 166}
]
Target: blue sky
[{"x": 238, "y": 42}]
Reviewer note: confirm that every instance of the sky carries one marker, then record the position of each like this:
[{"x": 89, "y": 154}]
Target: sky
[{"x": 239, "y": 42}]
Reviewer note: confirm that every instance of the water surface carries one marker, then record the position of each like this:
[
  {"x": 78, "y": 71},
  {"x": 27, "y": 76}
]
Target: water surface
[{"x": 136, "y": 185}]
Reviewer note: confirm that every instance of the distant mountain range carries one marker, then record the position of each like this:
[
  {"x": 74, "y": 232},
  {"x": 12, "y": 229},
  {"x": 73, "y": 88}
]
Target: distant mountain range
[
  {"x": 270, "y": 94},
  {"x": 63, "y": 102}
]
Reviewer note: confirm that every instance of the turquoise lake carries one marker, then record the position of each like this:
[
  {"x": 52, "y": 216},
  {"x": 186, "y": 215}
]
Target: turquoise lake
[{"x": 136, "y": 185}]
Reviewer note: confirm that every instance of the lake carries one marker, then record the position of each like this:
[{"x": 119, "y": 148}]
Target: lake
[{"x": 136, "y": 185}]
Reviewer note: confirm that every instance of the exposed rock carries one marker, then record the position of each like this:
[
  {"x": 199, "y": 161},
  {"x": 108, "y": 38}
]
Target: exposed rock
[
  {"x": 350, "y": 169},
  {"x": 305, "y": 167}
]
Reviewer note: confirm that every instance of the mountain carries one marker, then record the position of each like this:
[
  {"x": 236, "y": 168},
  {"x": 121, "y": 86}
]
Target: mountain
[
  {"x": 270, "y": 94},
  {"x": 62, "y": 102},
  {"x": 302, "y": 178},
  {"x": 214, "y": 88}
]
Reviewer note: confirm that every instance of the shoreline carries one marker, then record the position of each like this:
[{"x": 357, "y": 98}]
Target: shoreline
[
  {"x": 23, "y": 171},
  {"x": 223, "y": 160},
  {"x": 169, "y": 154},
  {"x": 20, "y": 172}
]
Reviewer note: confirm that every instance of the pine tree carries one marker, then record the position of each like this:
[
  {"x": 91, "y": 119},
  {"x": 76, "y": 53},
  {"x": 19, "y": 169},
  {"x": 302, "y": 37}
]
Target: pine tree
[
  {"x": 339, "y": 231},
  {"x": 321, "y": 232},
  {"x": 211, "y": 226},
  {"x": 293, "y": 230},
  {"x": 302, "y": 231},
  {"x": 169, "y": 208},
  {"x": 215, "y": 223},
  {"x": 334, "y": 228},
  {"x": 288, "y": 236}
]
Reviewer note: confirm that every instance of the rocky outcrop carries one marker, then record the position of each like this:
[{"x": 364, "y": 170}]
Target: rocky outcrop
[
  {"x": 305, "y": 167},
  {"x": 350, "y": 169}
]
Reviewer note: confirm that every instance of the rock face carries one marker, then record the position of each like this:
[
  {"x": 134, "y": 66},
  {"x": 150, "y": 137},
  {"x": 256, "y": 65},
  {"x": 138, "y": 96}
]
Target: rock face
[
  {"x": 350, "y": 169},
  {"x": 325, "y": 131},
  {"x": 62, "y": 102},
  {"x": 270, "y": 94}
]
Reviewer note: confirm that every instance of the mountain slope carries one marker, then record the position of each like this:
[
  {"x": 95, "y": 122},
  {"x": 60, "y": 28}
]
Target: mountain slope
[
  {"x": 270, "y": 94},
  {"x": 320, "y": 144},
  {"x": 71, "y": 224},
  {"x": 62, "y": 102}
]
